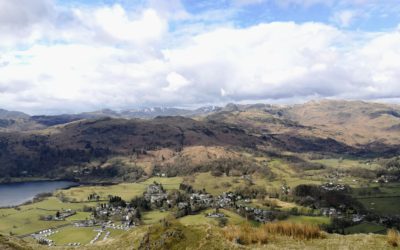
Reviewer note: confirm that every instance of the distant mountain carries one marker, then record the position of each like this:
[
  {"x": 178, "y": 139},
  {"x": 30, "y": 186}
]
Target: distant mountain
[
  {"x": 17, "y": 121},
  {"x": 325, "y": 127},
  {"x": 5, "y": 114},
  {"x": 148, "y": 113},
  {"x": 354, "y": 123}
]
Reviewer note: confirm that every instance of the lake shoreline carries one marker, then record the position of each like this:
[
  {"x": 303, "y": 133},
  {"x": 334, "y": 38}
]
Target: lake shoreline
[{"x": 16, "y": 194}]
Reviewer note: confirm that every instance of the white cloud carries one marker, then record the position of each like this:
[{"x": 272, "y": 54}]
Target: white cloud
[
  {"x": 115, "y": 22},
  {"x": 24, "y": 19},
  {"x": 116, "y": 58},
  {"x": 175, "y": 82}
]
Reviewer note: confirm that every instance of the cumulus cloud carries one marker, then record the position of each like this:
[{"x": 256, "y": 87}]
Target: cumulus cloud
[
  {"x": 175, "y": 82},
  {"x": 115, "y": 25},
  {"x": 113, "y": 57},
  {"x": 23, "y": 19}
]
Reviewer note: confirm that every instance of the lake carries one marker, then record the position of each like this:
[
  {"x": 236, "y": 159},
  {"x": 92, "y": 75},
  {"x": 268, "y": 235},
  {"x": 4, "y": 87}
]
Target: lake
[{"x": 12, "y": 194}]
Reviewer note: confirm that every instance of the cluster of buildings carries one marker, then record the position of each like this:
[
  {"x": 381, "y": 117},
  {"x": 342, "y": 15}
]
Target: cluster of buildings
[
  {"x": 60, "y": 215},
  {"x": 155, "y": 194},
  {"x": 125, "y": 214},
  {"x": 86, "y": 223},
  {"x": 386, "y": 179},
  {"x": 333, "y": 187},
  {"x": 42, "y": 237}
]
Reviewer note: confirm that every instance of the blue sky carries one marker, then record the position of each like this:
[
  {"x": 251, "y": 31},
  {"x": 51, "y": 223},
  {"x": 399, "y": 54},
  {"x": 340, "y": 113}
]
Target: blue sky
[
  {"x": 73, "y": 56},
  {"x": 365, "y": 14}
]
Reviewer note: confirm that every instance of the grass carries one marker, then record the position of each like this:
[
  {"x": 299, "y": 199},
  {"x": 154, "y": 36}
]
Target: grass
[
  {"x": 246, "y": 234},
  {"x": 126, "y": 191},
  {"x": 365, "y": 227},
  {"x": 347, "y": 163},
  {"x": 384, "y": 205},
  {"x": 393, "y": 238},
  {"x": 202, "y": 219},
  {"x": 213, "y": 185},
  {"x": 313, "y": 220},
  {"x": 27, "y": 221},
  {"x": 80, "y": 216},
  {"x": 153, "y": 216},
  {"x": 72, "y": 234},
  {"x": 53, "y": 203}
]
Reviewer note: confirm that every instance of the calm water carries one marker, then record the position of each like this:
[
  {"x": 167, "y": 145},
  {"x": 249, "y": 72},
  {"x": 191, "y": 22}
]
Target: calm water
[{"x": 12, "y": 194}]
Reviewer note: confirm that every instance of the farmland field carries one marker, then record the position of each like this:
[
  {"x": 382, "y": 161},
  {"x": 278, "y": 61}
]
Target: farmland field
[
  {"x": 383, "y": 205},
  {"x": 201, "y": 218},
  {"x": 73, "y": 234},
  {"x": 316, "y": 220},
  {"x": 126, "y": 191},
  {"x": 365, "y": 227}
]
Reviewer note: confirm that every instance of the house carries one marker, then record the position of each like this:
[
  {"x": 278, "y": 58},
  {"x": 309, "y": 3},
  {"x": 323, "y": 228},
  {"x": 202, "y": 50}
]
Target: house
[
  {"x": 155, "y": 193},
  {"x": 215, "y": 215}
]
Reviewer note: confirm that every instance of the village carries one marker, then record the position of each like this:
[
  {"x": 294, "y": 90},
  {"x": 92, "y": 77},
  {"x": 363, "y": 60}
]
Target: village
[{"x": 118, "y": 214}]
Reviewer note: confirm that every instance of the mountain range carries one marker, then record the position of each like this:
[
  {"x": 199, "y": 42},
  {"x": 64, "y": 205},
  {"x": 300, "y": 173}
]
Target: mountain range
[{"x": 42, "y": 144}]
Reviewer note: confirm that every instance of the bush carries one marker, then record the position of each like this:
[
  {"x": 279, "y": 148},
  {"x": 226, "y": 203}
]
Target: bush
[{"x": 222, "y": 222}]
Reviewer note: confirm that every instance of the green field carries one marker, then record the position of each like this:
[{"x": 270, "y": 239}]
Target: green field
[
  {"x": 365, "y": 227},
  {"x": 53, "y": 203},
  {"x": 385, "y": 205},
  {"x": 200, "y": 219},
  {"x": 26, "y": 221},
  {"x": 215, "y": 185},
  {"x": 347, "y": 163},
  {"x": 316, "y": 220},
  {"x": 80, "y": 216},
  {"x": 154, "y": 216},
  {"x": 73, "y": 234},
  {"x": 126, "y": 191}
]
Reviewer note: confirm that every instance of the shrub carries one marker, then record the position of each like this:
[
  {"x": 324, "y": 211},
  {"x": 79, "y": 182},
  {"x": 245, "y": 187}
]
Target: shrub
[
  {"x": 393, "y": 238},
  {"x": 222, "y": 222}
]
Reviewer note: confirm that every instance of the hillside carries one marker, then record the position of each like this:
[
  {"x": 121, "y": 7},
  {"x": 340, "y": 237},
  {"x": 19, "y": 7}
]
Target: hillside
[
  {"x": 361, "y": 125},
  {"x": 326, "y": 127},
  {"x": 178, "y": 236},
  {"x": 42, "y": 151}
]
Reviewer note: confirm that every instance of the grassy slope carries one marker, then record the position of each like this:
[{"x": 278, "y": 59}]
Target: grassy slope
[
  {"x": 317, "y": 220},
  {"x": 126, "y": 191},
  {"x": 365, "y": 227},
  {"x": 201, "y": 219},
  {"x": 25, "y": 220},
  {"x": 70, "y": 234}
]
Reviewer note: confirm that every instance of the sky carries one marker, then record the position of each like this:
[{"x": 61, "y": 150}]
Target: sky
[{"x": 59, "y": 56}]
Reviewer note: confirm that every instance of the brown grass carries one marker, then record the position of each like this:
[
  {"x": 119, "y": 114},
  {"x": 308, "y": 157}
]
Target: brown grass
[
  {"x": 393, "y": 238},
  {"x": 246, "y": 234},
  {"x": 294, "y": 230}
]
